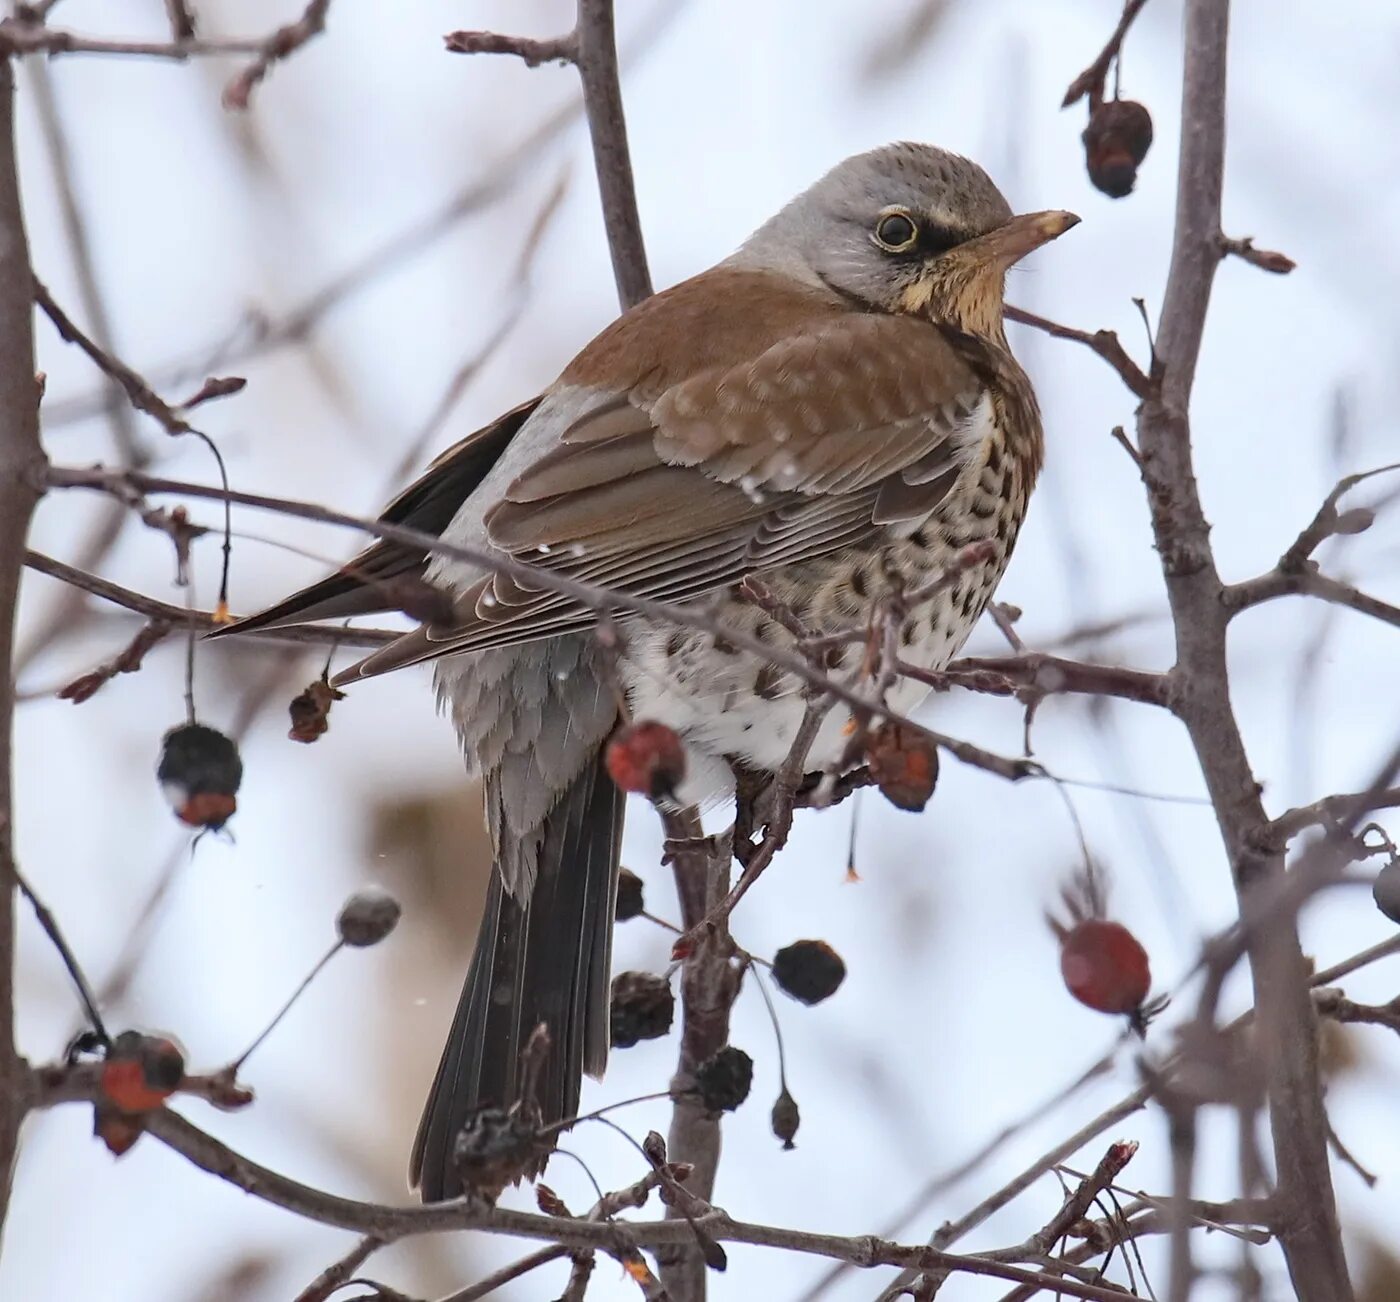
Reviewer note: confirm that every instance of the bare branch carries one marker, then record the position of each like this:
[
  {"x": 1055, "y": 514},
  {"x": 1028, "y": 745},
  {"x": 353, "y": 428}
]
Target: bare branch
[
  {"x": 1308, "y": 583},
  {"x": 131, "y": 485},
  {"x": 596, "y": 56},
  {"x": 1328, "y": 521},
  {"x": 138, "y": 392},
  {"x": 1279, "y": 264},
  {"x": 21, "y": 481},
  {"x": 182, "y": 24},
  {"x": 1332, "y": 811},
  {"x": 21, "y": 35},
  {"x": 1045, "y": 675},
  {"x": 283, "y": 42},
  {"x": 164, "y": 612},
  {"x": 1104, "y": 342},
  {"x": 558, "y": 49},
  {"x": 339, "y": 1272},
  {"x": 1308, "y": 1230}
]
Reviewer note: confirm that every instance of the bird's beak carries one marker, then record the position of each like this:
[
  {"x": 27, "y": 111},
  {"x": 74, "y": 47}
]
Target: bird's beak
[{"x": 1011, "y": 242}]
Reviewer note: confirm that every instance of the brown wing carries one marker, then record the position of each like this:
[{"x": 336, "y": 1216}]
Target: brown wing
[
  {"x": 732, "y": 470},
  {"x": 363, "y": 586}
]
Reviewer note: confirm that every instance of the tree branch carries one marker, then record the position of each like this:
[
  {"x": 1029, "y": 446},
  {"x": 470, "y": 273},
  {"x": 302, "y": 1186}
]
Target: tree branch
[
  {"x": 282, "y": 43},
  {"x": 596, "y": 57},
  {"x": 1308, "y": 1230},
  {"x": 557, "y": 49},
  {"x": 155, "y": 609},
  {"x": 130, "y": 486},
  {"x": 1308, "y": 583},
  {"x": 21, "y": 482},
  {"x": 1104, "y": 342}
]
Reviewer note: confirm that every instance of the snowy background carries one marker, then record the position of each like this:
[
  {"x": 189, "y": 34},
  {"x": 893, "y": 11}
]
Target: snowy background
[{"x": 952, "y": 1022}]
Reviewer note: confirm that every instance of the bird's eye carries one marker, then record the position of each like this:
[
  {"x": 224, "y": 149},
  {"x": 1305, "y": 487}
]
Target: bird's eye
[{"x": 896, "y": 232}]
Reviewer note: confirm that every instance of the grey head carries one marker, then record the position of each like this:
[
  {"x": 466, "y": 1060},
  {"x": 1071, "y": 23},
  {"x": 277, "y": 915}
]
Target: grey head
[{"x": 905, "y": 228}]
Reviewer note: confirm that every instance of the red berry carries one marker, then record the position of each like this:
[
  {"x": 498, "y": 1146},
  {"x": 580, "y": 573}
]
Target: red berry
[
  {"x": 647, "y": 758},
  {"x": 1104, "y": 967}
]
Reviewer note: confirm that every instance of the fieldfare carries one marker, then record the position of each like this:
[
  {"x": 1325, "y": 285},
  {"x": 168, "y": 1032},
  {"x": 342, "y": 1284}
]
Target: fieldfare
[{"x": 833, "y": 403}]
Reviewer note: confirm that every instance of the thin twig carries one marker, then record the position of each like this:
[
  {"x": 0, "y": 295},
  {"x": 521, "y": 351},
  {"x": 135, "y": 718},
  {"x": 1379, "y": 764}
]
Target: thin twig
[
  {"x": 339, "y": 1272},
  {"x": 131, "y": 485},
  {"x": 282, "y": 43},
  {"x": 166, "y": 612},
  {"x": 1103, "y": 342},
  {"x": 558, "y": 49},
  {"x": 1090, "y": 82}
]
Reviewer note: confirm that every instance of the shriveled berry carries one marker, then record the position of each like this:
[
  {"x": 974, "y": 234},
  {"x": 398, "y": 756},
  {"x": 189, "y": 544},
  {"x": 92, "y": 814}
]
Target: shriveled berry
[
  {"x": 1116, "y": 141},
  {"x": 115, "y": 1128},
  {"x": 1104, "y": 966},
  {"x": 904, "y": 765},
  {"x": 310, "y": 712},
  {"x": 629, "y": 896},
  {"x": 809, "y": 970},
  {"x": 367, "y": 917},
  {"x": 1386, "y": 890},
  {"x": 786, "y": 1118},
  {"x": 724, "y": 1080},
  {"x": 643, "y": 1008},
  {"x": 200, "y": 772},
  {"x": 646, "y": 758},
  {"x": 496, "y": 1148}
]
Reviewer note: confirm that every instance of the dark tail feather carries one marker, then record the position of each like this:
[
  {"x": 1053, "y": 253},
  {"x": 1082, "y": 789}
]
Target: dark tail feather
[{"x": 542, "y": 960}]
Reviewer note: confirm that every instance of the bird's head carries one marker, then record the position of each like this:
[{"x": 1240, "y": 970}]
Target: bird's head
[{"x": 909, "y": 229}]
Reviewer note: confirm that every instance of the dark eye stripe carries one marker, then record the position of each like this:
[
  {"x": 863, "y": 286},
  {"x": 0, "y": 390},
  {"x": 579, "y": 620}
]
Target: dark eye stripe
[{"x": 938, "y": 239}]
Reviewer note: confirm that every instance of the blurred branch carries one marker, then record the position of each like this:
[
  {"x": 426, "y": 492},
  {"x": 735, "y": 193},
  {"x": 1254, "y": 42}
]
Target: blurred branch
[
  {"x": 26, "y": 32},
  {"x": 182, "y": 24},
  {"x": 1279, "y": 264},
  {"x": 1331, "y": 811},
  {"x": 339, "y": 1272},
  {"x": 130, "y": 448},
  {"x": 592, "y": 48},
  {"x": 507, "y": 1274},
  {"x": 296, "y": 325},
  {"x": 22, "y": 34},
  {"x": 127, "y": 661},
  {"x": 1090, "y": 82},
  {"x": 559, "y": 49},
  {"x": 21, "y": 482},
  {"x": 282, "y": 43},
  {"x": 1331, "y": 1002}
]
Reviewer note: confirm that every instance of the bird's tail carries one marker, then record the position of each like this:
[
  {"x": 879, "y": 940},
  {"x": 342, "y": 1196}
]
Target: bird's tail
[{"x": 542, "y": 959}]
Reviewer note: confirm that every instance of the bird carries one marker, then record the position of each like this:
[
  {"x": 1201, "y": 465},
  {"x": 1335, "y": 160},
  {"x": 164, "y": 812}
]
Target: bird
[{"x": 832, "y": 405}]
